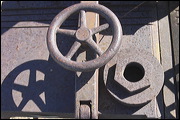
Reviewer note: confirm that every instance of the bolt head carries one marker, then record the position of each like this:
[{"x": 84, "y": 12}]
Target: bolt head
[
  {"x": 133, "y": 86},
  {"x": 82, "y": 34}
]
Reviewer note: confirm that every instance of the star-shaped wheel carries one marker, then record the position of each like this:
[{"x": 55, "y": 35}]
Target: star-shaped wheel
[
  {"x": 83, "y": 34},
  {"x": 31, "y": 92}
]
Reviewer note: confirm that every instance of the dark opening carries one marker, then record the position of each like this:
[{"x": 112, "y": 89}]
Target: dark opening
[{"x": 134, "y": 72}]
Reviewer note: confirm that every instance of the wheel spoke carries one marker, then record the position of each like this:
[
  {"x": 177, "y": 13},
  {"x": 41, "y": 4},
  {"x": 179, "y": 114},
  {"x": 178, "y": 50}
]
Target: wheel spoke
[
  {"x": 94, "y": 46},
  {"x": 73, "y": 49},
  {"x": 99, "y": 28},
  {"x": 23, "y": 103},
  {"x": 32, "y": 77},
  {"x": 19, "y": 88},
  {"x": 66, "y": 32},
  {"x": 39, "y": 102},
  {"x": 82, "y": 18}
]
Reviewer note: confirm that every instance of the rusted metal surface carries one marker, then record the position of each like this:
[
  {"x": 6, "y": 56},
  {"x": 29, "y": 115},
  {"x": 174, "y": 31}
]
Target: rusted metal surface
[
  {"x": 84, "y": 112},
  {"x": 169, "y": 88},
  {"x": 27, "y": 66},
  {"x": 174, "y": 19},
  {"x": 86, "y": 83},
  {"x": 139, "y": 92},
  {"x": 137, "y": 33},
  {"x": 83, "y": 34}
]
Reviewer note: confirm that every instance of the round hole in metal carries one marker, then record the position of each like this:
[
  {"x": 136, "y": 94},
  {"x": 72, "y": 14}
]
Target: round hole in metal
[{"x": 134, "y": 72}]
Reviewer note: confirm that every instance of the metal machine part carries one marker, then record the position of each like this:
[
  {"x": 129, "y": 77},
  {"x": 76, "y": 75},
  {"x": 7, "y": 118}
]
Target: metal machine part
[
  {"x": 84, "y": 35},
  {"x": 50, "y": 88},
  {"x": 138, "y": 78},
  {"x": 86, "y": 101}
]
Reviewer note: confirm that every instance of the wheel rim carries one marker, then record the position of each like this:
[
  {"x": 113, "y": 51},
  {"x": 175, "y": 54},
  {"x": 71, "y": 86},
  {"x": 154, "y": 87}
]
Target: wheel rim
[{"x": 92, "y": 64}]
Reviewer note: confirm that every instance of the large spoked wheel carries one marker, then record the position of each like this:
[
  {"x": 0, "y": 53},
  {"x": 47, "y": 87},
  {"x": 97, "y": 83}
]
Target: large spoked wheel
[{"x": 84, "y": 35}]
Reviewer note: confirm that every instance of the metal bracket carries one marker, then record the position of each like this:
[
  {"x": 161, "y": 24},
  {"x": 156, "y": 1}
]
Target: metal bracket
[
  {"x": 87, "y": 82},
  {"x": 85, "y": 110}
]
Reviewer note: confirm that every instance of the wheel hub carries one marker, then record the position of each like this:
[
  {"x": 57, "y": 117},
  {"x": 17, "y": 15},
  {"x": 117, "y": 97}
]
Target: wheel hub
[{"x": 82, "y": 34}]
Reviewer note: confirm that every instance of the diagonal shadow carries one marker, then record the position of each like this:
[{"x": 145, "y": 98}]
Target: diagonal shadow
[
  {"x": 32, "y": 14},
  {"x": 171, "y": 73},
  {"x": 43, "y": 12}
]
